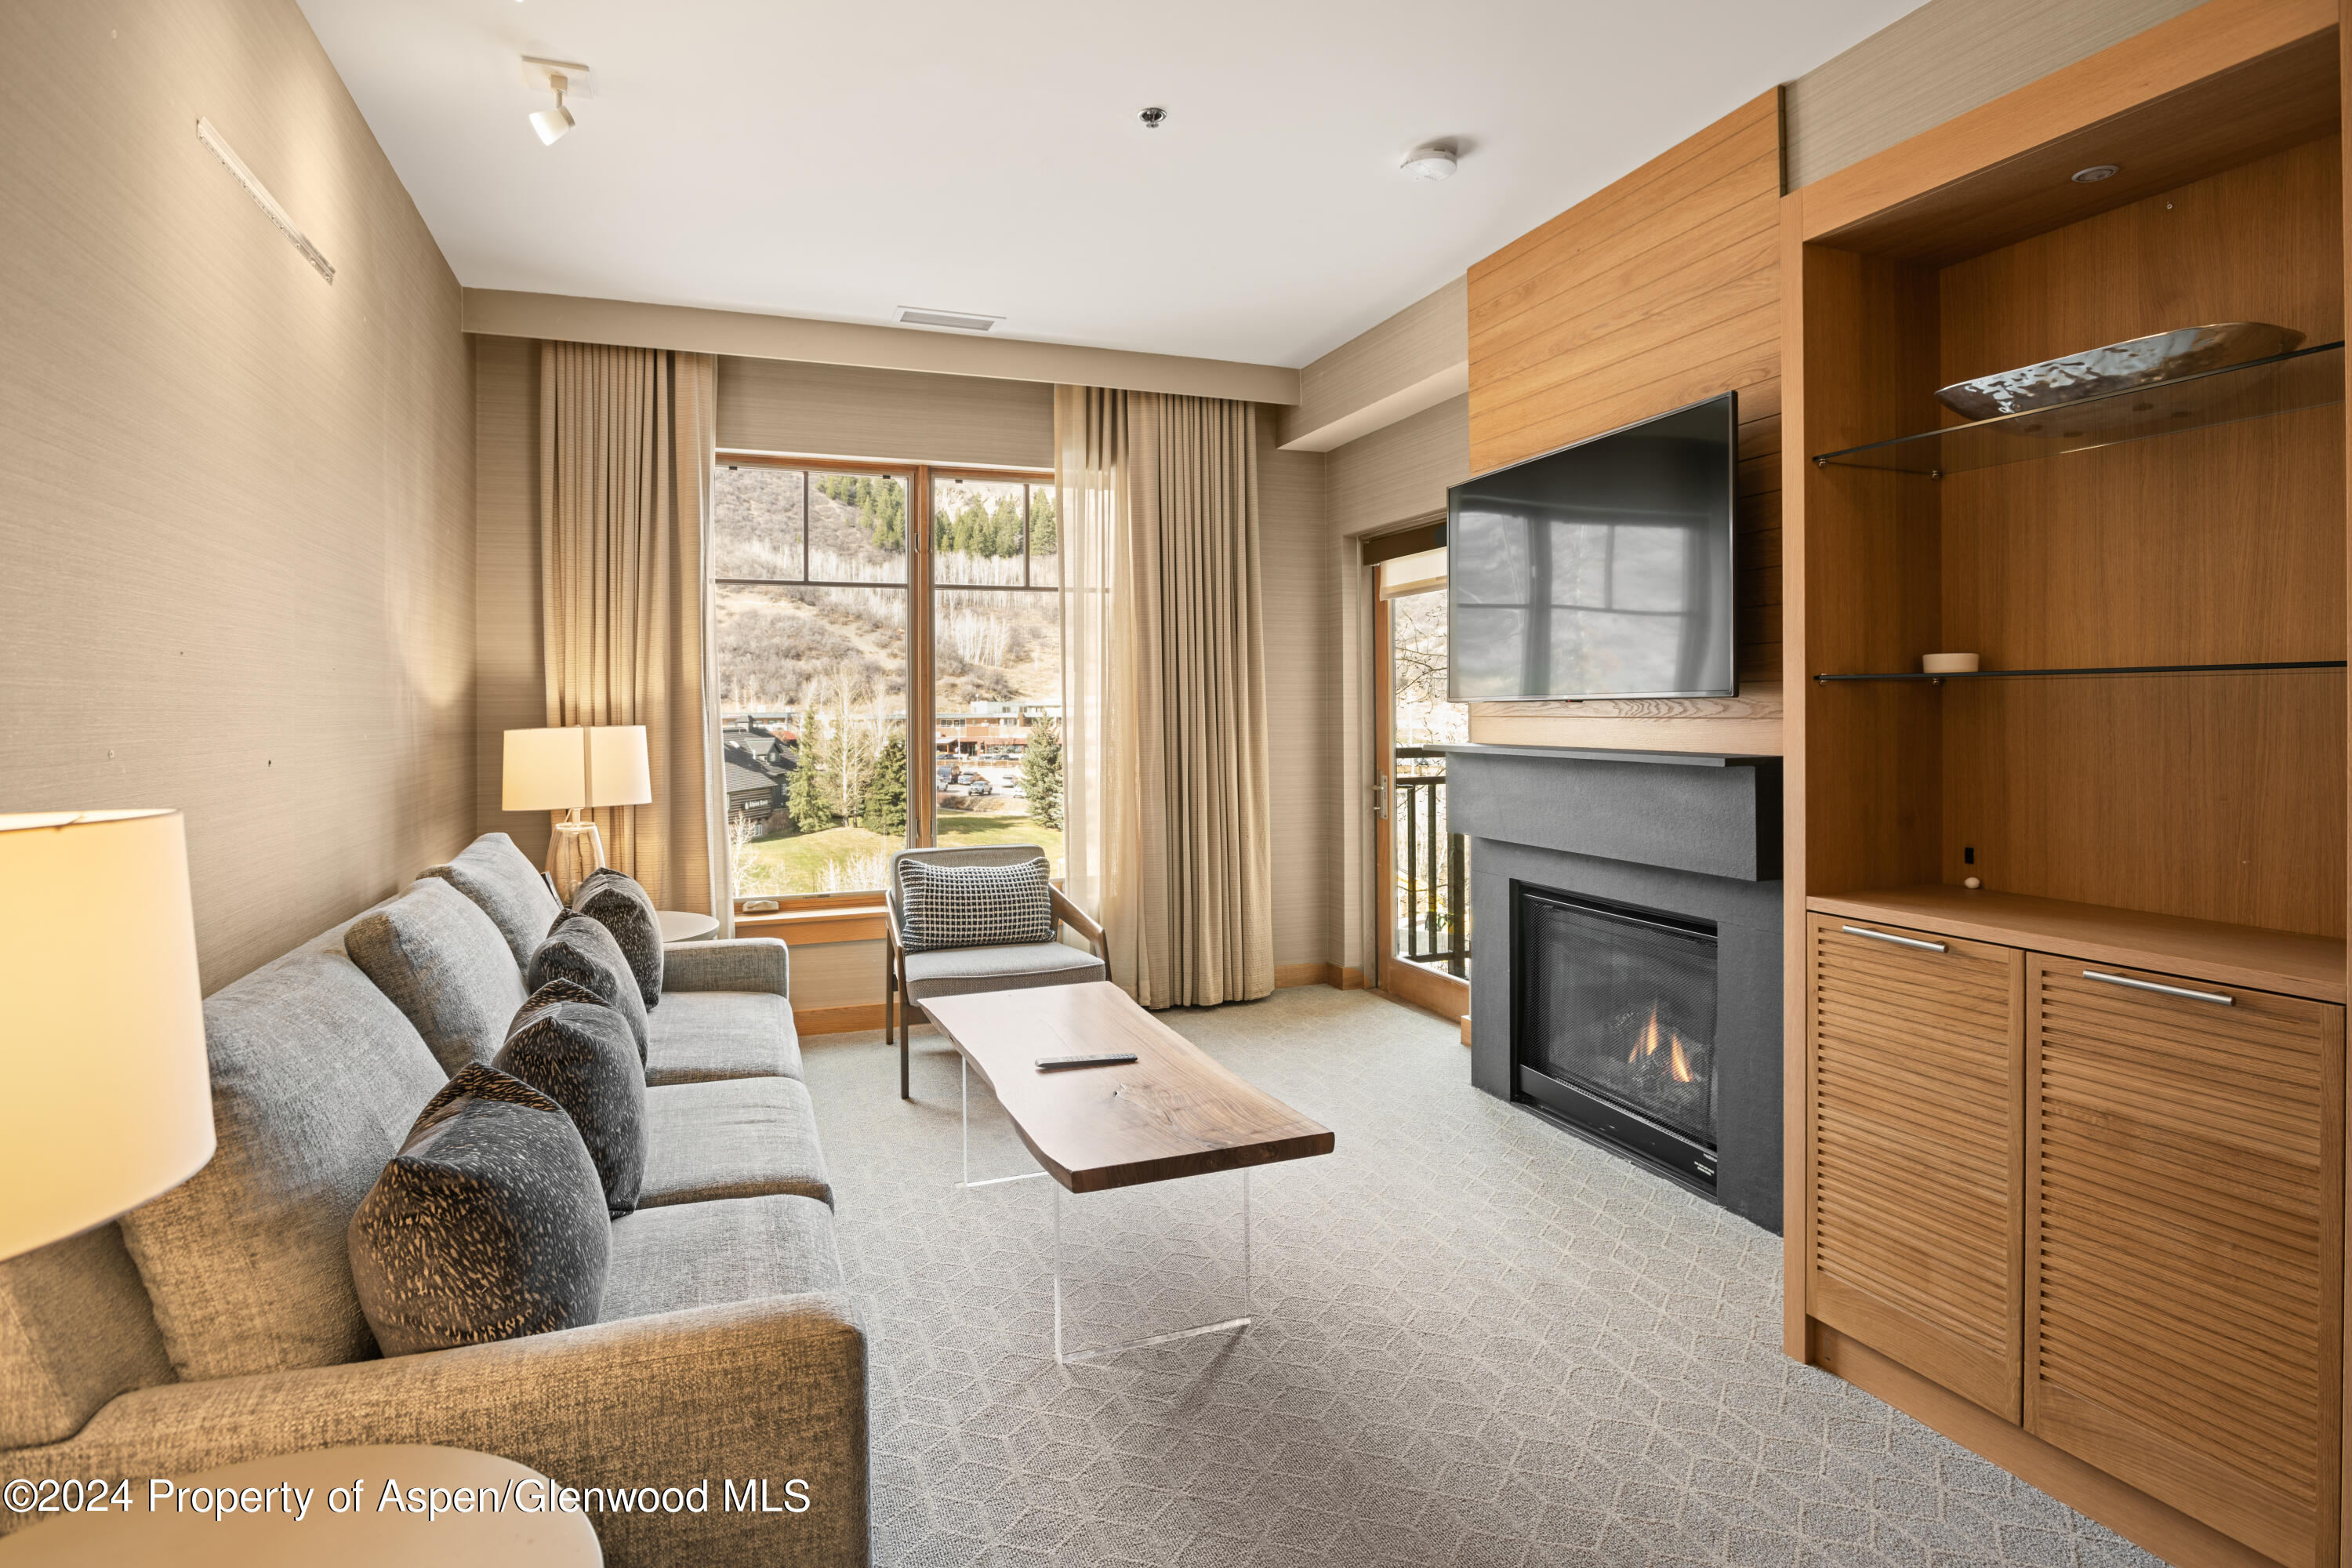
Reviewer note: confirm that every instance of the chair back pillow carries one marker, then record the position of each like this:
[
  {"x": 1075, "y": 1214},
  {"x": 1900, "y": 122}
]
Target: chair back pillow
[
  {"x": 579, "y": 948},
  {"x": 615, "y": 900},
  {"x": 973, "y": 905},
  {"x": 488, "y": 1225},
  {"x": 443, "y": 962},
  {"x": 571, "y": 1047}
]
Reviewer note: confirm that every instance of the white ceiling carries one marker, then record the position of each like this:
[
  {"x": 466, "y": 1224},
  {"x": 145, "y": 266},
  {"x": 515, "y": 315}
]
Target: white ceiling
[{"x": 841, "y": 161}]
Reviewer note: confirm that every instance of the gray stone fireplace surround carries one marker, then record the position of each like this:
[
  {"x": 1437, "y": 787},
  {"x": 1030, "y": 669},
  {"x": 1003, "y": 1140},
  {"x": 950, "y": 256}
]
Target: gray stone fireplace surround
[{"x": 1692, "y": 836}]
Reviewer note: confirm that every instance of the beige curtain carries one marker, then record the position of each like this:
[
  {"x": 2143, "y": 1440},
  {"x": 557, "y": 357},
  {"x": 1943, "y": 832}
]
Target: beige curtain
[
  {"x": 1164, "y": 691},
  {"x": 625, "y": 439}
]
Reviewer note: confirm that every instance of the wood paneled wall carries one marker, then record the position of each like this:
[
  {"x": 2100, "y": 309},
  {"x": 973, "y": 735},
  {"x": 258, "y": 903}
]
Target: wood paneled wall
[
  {"x": 1663, "y": 289},
  {"x": 235, "y": 500}
]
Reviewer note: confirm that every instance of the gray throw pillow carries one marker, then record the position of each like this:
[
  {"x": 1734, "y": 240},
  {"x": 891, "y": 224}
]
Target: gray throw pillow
[
  {"x": 615, "y": 901},
  {"x": 495, "y": 874},
  {"x": 489, "y": 1223},
  {"x": 973, "y": 905},
  {"x": 571, "y": 1047},
  {"x": 443, "y": 962},
  {"x": 580, "y": 950}
]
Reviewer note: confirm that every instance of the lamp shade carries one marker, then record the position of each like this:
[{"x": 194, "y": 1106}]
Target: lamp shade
[
  {"x": 618, "y": 773},
  {"x": 545, "y": 770},
  {"x": 105, "y": 1091}
]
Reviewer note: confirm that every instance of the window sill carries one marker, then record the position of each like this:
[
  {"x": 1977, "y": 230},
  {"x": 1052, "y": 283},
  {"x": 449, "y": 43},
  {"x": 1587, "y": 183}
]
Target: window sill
[{"x": 823, "y": 922}]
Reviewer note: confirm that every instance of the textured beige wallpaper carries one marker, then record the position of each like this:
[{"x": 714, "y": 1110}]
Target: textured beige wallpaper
[
  {"x": 235, "y": 500},
  {"x": 1302, "y": 717}
]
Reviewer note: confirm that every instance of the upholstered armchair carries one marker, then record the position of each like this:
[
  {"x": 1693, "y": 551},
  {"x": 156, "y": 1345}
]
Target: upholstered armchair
[{"x": 915, "y": 977}]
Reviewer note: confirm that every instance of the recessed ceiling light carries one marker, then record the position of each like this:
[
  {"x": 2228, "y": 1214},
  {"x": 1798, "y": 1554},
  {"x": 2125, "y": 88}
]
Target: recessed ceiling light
[
  {"x": 962, "y": 320},
  {"x": 2096, "y": 172},
  {"x": 1429, "y": 162}
]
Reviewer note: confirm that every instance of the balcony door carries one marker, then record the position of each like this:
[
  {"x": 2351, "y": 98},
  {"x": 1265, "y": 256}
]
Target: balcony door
[{"x": 1423, "y": 867}]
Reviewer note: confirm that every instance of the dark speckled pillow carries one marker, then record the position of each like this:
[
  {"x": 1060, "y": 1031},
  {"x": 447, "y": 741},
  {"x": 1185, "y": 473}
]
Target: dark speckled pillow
[
  {"x": 571, "y": 1047},
  {"x": 615, "y": 901},
  {"x": 578, "y": 949},
  {"x": 489, "y": 1223}
]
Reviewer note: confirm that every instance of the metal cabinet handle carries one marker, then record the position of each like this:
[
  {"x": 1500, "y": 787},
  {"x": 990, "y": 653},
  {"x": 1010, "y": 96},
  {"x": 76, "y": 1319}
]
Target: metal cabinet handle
[
  {"x": 2161, "y": 990},
  {"x": 1887, "y": 936}
]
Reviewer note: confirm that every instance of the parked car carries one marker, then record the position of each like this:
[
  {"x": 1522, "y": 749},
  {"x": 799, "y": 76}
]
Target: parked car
[{"x": 975, "y": 785}]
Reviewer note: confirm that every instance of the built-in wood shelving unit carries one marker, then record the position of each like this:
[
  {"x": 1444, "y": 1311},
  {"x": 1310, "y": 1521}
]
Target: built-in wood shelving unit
[{"x": 2092, "y": 670}]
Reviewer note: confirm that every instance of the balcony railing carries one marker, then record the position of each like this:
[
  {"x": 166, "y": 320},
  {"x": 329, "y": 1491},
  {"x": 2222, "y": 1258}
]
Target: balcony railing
[{"x": 1432, "y": 879}]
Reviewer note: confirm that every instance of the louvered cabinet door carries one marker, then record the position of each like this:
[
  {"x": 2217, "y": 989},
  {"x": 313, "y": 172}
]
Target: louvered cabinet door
[
  {"x": 1912, "y": 1098},
  {"x": 2184, "y": 1271}
]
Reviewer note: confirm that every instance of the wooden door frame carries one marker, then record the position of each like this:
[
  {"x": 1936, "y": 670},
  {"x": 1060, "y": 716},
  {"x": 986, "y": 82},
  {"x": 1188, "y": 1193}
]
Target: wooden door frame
[{"x": 1415, "y": 984}]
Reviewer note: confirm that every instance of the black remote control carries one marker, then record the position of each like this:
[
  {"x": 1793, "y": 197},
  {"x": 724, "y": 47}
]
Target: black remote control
[{"x": 1107, "y": 1059}]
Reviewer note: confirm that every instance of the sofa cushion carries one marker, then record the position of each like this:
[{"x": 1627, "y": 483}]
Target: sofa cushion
[
  {"x": 316, "y": 1077},
  {"x": 948, "y": 906},
  {"x": 699, "y": 1036},
  {"x": 443, "y": 962},
  {"x": 732, "y": 1140},
  {"x": 615, "y": 901},
  {"x": 682, "y": 1255},
  {"x": 969, "y": 969},
  {"x": 577, "y": 1051},
  {"x": 507, "y": 888},
  {"x": 75, "y": 1330},
  {"x": 578, "y": 949},
  {"x": 489, "y": 1224}
]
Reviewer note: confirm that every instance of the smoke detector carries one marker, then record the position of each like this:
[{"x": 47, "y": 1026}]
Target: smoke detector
[
  {"x": 962, "y": 320},
  {"x": 1435, "y": 162}
]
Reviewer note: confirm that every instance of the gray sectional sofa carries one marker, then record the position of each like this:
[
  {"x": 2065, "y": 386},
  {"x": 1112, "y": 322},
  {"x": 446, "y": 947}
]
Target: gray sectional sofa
[{"x": 219, "y": 1324}]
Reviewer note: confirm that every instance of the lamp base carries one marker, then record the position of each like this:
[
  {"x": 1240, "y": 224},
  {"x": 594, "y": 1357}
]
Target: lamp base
[{"x": 574, "y": 853}]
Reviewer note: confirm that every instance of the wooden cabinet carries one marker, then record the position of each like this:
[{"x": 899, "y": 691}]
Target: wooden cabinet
[
  {"x": 1912, "y": 1215},
  {"x": 2181, "y": 1180}
]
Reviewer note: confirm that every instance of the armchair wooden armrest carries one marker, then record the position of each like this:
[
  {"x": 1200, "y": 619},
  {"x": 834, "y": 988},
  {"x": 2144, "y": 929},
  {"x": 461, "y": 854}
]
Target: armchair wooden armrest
[{"x": 1082, "y": 922}]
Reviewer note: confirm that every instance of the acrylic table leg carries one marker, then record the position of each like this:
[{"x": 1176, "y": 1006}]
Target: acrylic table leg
[
  {"x": 963, "y": 1067},
  {"x": 1065, "y": 1357}
]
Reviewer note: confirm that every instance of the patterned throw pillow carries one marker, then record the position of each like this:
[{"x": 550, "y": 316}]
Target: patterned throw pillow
[
  {"x": 580, "y": 949},
  {"x": 973, "y": 905},
  {"x": 615, "y": 901},
  {"x": 571, "y": 1047},
  {"x": 489, "y": 1223}
]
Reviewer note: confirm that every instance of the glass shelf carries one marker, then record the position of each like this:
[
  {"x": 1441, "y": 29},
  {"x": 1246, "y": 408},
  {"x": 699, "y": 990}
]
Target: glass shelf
[
  {"x": 2306, "y": 378},
  {"x": 2099, "y": 669}
]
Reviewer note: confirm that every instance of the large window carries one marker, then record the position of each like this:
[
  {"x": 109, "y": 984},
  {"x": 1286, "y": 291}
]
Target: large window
[{"x": 823, "y": 675}]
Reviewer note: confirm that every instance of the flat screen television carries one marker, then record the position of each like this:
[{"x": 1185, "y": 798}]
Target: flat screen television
[{"x": 1599, "y": 570}]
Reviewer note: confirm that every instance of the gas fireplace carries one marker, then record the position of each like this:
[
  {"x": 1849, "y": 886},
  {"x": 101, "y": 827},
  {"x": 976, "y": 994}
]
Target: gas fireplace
[{"x": 1613, "y": 1025}]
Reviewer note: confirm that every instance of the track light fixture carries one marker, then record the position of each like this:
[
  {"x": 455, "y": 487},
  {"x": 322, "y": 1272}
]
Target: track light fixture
[{"x": 556, "y": 77}]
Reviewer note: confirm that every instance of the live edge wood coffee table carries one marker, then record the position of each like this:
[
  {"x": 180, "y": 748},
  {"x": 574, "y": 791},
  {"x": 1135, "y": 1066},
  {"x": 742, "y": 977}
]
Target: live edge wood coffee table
[{"x": 1171, "y": 1113}]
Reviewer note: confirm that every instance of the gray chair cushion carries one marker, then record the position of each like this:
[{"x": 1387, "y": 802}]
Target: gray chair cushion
[
  {"x": 615, "y": 901},
  {"x": 580, "y": 950},
  {"x": 741, "y": 1139},
  {"x": 960, "y": 970},
  {"x": 573, "y": 1048},
  {"x": 973, "y": 905},
  {"x": 683, "y": 1256},
  {"x": 699, "y": 1036},
  {"x": 443, "y": 962},
  {"x": 489, "y": 1224},
  {"x": 75, "y": 1330},
  {"x": 316, "y": 1079},
  {"x": 509, "y": 888}
]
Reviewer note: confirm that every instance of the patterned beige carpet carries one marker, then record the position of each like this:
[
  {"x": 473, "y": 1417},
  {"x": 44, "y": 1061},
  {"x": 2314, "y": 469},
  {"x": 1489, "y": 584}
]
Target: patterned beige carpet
[{"x": 1478, "y": 1341}]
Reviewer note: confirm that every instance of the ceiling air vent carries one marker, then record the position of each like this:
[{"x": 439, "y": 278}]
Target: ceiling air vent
[{"x": 962, "y": 321}]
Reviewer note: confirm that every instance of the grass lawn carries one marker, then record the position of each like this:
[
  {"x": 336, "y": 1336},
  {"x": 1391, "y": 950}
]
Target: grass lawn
[{"x": 848, "y": 859}]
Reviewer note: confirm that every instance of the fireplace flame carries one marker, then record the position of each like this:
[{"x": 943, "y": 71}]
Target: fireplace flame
[
  {"x": 1646, "y": 1044},
  {"x": 1681, "y": 1063}
]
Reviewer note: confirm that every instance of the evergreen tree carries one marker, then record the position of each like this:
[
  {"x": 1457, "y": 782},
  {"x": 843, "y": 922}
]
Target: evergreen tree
[
  {"x": 1004, "y": 527},
  {"x": 806, "y": 799},
  {"x": 1041, "y": 773},
  {"x": 886, "y": 793},
  {"x": 1045, "y": 526}
]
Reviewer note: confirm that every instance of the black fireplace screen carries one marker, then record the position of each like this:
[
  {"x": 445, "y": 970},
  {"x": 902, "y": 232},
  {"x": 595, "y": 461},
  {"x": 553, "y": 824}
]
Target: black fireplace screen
[{"x": 1620, "y": 1005}]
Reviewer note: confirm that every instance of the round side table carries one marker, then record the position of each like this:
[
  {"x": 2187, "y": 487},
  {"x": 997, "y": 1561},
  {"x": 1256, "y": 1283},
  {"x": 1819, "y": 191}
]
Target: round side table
[
  {"x": 526, "y": 1532},
  {"x": 678, "y": 925}
]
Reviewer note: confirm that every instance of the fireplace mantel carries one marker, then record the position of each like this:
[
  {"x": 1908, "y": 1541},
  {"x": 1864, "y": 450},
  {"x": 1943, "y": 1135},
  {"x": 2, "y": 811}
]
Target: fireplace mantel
[{"x": 1716, "y": 815}]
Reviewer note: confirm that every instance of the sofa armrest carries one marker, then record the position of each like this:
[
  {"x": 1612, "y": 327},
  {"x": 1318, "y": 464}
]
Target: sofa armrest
[
  {"x": 772, "y": 1389},
  {"x": 737, "y": 964}
]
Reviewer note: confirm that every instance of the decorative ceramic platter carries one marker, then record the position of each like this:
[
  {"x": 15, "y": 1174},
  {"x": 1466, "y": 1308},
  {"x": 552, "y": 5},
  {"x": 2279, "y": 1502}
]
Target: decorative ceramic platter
[{"x": 2117, "y": 367}]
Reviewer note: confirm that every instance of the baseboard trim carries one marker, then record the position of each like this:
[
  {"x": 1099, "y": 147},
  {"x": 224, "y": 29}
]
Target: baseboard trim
[
  {"x": 1286, "y": 975},
  {"x": 2121, "y": 1507},
  {"x": 837, "y": 1020}
]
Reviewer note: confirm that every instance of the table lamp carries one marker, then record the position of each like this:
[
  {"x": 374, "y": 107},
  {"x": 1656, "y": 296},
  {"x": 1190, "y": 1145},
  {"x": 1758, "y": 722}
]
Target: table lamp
[
  {"x": 105, "y": 1090},
  {"x": 569, "y": 768}
]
